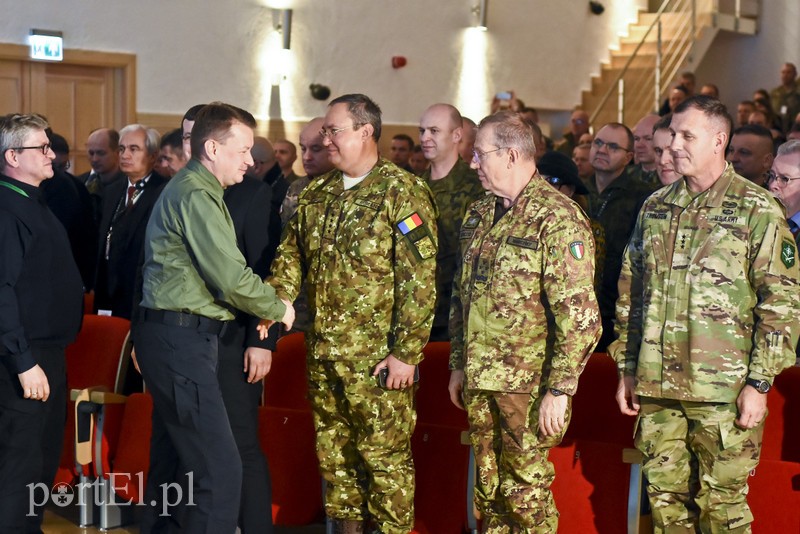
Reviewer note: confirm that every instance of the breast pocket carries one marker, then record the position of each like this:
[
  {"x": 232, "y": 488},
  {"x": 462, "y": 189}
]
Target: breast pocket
[
  {"x": 364, "y": 236},
  {"x": 720, "y": 258}
]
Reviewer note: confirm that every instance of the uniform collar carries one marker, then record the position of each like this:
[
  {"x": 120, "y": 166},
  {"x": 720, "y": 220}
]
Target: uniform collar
[{"x": 680, "y": 195}]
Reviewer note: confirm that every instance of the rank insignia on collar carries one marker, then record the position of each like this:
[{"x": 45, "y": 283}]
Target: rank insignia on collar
[
  {"x": 576, "y": 249},
  {"x": 788, "y": 253}
]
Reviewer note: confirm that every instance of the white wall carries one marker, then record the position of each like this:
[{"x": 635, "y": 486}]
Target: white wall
[
  {"x": 191, "y": 51},
  {"x": 740, "y": 64}
]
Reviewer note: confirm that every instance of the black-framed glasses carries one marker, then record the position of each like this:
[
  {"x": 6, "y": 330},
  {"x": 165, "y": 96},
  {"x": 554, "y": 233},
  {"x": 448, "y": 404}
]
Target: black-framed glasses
[
  {"x": 613, "y": 147},
  {"x": 772, "y": 176},
  {"x": 479, "y": 156},
  {"x": 45, "y": 148}
]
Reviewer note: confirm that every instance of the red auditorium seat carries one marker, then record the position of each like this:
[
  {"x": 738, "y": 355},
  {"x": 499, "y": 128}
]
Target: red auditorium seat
[
  {"x": 592, "y": 487},
  {"x": 775, "y": 484},
  {"x": 95, "y": 359},
  {"x": 286, "y": 431},
  {"x": 442, "y": 499}
]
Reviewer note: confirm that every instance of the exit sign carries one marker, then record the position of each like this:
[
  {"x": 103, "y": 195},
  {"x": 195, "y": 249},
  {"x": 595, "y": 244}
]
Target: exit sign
[{"x": 46, "y": 45}]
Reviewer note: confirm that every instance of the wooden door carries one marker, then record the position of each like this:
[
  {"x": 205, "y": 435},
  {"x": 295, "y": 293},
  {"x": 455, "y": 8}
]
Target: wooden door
[
  {"x": 14, "y": 86},
  {"x": 88, "y": 90},
  {"x": 76, "y": 99}
]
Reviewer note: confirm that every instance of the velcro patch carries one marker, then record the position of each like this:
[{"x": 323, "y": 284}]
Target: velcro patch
[
  {"x": 522, "y": 242},
  {"x": 577, "y": 250},
  {"x": 367, "y": 203},
  {"x": 652, "y": 215},
  {"x": 425, "y": 248},
  {"x": 409, "y": 223},
  {"x": 788, "y": 253}
]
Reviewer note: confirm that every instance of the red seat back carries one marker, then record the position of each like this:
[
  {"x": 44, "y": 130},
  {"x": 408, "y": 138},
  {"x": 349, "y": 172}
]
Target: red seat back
[{"x": 286, "y": 385}]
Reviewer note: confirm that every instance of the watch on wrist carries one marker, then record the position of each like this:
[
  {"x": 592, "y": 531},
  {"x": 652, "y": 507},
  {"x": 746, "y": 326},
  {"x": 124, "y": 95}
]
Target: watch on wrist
[
  {"x": 556, "y": 392},
  {"x": 762, "y": 386}
]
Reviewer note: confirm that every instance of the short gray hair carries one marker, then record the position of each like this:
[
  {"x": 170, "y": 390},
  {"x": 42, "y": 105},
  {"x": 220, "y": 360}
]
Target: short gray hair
[
  {"x": 789, "y": 147},
  {"x": 152, "y": 139},
  {"x": 511, "y": 130},
  {"x": 15, "y": 128}
]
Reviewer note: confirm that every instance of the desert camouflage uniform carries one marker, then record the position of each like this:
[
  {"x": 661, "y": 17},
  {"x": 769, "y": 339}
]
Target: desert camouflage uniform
[
  {"x": 453, "y": 194},
  {"x": 524, "y": 319},
  {"x": 708, "y": 297},
  {"x": 371, "y": 290}
]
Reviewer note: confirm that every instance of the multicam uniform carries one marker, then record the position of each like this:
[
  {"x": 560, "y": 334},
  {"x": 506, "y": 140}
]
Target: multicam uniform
[
  {"x": 453, "y": 193},
  {"x": 524, "y": 319},
  {"x": 708, "y": 298},
  {"x": 368, "y": 256}
]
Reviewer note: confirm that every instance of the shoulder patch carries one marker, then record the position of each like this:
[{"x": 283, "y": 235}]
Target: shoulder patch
[
  {"x": 577, "y": 249},
  {"x": 788, "y": 253},
  {"x": 409, "y": 223}
]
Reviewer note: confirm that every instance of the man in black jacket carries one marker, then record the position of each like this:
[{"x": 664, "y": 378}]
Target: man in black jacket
[
  {"x": 41, "y": 297},
  {"x": 126, "y": 209}
]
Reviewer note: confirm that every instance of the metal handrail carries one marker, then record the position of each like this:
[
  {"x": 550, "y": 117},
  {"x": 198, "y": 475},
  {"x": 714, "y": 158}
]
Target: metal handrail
[
  {"x": 641, "y": 85},
  {"x": 615, "y": 83}
]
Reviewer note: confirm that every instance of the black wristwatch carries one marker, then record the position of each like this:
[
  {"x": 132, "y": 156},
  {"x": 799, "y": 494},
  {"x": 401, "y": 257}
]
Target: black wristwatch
[
  {"x": 556, "y": 392},
  {"x": 762, "y": 386}
]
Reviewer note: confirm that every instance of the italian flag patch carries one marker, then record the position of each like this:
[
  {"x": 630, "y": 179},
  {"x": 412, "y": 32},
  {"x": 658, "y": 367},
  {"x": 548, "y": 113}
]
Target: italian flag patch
[{"x": 576, "y": 249}]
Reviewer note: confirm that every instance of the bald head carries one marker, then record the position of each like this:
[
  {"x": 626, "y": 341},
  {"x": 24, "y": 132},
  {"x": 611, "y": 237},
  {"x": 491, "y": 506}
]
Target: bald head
[
  {"x": 101, "y": 147},
  {"x": 263, "y": 158},
  {"x": 312, "y": 149},
  {"x": 440, "y": 133}
]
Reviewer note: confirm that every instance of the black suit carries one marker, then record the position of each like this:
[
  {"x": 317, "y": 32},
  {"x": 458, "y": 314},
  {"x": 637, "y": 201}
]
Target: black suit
[
  {"x": 70, "y": 202},
  {"x": 116, "y": 275},
  {"x": 249, "y": 206}
]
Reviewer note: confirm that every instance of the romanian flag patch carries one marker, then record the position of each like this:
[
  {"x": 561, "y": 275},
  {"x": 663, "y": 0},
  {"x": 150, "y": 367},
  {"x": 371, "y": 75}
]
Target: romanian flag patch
[
  {"x": 409, "y": 223},
  {"x": 576, "y": 249}
]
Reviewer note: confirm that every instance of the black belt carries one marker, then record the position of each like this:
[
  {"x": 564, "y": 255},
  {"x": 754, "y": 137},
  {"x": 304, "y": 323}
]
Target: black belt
[{"x": 186, "y": 320}]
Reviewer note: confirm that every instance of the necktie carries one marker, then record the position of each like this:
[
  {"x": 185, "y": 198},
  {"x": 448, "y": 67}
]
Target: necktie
[
  {"x": 129, "y": 201},
  {"x": 794, "y": 228}
]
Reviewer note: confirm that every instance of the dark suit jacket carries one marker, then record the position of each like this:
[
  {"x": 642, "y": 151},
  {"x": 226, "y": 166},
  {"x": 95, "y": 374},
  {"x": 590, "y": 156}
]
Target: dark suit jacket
[
  {"x": 116, "y": 277},
  {"x": 70, "y": 202},
  {"x": 249, "y": 204}
]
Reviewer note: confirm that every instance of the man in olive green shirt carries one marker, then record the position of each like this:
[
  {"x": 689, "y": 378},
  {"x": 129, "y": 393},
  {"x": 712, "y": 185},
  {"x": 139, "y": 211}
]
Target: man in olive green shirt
[
  {"x": 193, "y": 277},
  {"x": 454, "y": 186}
]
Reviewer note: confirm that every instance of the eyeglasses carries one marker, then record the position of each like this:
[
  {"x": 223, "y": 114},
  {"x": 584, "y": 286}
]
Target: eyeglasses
[
  {"x": 612, "y": 147},
  {"x": 479, "y": 156},
  {"x": 186, "y": 136},
  {"x": 772, "y": 176},
  {"x": 333, "y": 132},
  {"x": 45, "y": 148}
]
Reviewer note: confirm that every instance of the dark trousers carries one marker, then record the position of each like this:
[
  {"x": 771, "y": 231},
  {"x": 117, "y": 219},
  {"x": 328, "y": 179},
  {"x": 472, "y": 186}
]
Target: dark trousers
[
  {"x": 191, "y": 434},
  {"x": 31, "y": 439},
  {"x": 241, "y": 401}
]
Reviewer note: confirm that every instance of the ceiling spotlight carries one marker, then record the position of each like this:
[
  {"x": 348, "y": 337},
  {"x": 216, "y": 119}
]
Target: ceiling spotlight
[{"x": 596, "y": 7}]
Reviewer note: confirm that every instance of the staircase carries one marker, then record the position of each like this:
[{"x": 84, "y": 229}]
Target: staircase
[{"x": 671, "y": 38}]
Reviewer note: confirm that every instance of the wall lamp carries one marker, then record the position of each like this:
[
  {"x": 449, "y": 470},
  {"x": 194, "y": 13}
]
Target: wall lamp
[
  {"x": 283, "y": 24},
  {"x": 480, "y": 14}
]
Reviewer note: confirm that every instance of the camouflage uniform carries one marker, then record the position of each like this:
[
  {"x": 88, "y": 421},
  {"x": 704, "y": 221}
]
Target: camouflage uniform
[
  {"x": 708, "y": 298},
  {"x": 367, "y": 255},
  {"x": 615, "y": 210},
  {"x": 453, "y": 194},
  {"x": 288, "y": 209},
  {"x": 524, "y": 319}
]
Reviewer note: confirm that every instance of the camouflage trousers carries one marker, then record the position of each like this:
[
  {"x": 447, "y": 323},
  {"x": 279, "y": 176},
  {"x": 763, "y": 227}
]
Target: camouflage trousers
[
  {"x": 363, "y": 435},
  {"x": 696, "y": 462},
  {"x": 512, "y": 486}
]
